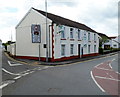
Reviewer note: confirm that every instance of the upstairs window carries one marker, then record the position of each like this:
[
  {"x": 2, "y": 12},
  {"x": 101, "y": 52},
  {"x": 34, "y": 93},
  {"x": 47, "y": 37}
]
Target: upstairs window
[
  {"x": 61, "y": 29},
  {"x": 71, "y": 33},
  {"x": 88, "y": 36},
  {"x": 62, "y": 34},
  {"x": 94, "y": 37},
  {"x": 79, "y": 34}
]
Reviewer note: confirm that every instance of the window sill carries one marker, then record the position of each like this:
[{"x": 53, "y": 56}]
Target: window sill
[
  {"x": 95, "y": 41},
  {"x": 63, "y": 39},
  {"x": 72, "y": 39},
  {"x": 79, "y": 40}
]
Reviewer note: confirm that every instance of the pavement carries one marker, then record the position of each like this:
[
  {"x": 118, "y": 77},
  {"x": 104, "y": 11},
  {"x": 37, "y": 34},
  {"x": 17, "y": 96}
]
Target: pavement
[{"x": 35, "y": 62}]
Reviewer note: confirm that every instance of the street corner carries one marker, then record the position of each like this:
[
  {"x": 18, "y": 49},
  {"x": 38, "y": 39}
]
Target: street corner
[{"x": 106, "y": 78}]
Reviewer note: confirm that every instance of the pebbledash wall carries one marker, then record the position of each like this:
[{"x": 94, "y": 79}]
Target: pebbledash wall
[{"x": 62, "y": 44}]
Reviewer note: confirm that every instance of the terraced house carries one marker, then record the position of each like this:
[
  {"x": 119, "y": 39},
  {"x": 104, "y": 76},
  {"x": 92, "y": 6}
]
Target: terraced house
[{"x": 67, "y": 39}]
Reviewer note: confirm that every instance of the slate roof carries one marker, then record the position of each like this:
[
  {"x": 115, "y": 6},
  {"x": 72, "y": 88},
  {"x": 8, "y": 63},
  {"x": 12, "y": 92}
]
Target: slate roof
[{"x": 63, "y": 21}]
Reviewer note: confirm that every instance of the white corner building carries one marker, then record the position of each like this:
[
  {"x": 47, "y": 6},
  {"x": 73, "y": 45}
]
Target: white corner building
[{"x": 66, "y": 39}]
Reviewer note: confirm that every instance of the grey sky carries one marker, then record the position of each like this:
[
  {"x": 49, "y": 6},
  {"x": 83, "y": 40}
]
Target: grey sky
[{"x": 100, "y": 15}]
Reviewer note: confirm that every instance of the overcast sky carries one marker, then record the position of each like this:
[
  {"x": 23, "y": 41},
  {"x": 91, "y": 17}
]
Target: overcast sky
[{"x": 100, "y": 15}]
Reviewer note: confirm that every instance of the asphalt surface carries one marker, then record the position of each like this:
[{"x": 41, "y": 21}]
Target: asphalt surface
[{"x": 70, "y": 79}]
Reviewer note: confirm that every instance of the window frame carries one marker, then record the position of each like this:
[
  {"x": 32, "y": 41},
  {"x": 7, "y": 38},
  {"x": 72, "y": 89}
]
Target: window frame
[
  {"x": 89, "y": 48},
  {"x": 71, "y": 33},
  {"x": 79, "y": 34},
  {"x": 71, "y": 49},
  {"x": 95, "y": 48},
  {"x": 62, "y": 50}
]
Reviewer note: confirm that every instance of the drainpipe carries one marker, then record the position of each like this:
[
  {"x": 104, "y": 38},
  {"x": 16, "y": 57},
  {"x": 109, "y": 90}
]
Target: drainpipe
[{"x": 49, "y": 39}]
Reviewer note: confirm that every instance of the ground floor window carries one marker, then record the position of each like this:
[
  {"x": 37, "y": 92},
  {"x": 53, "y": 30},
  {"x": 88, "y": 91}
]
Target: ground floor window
[
  {"x": 71, "y": 48},
  {"x": 95, "y": 48},
  {"x": 88, "y": 48},
  {"x": 63, "y": 49}
]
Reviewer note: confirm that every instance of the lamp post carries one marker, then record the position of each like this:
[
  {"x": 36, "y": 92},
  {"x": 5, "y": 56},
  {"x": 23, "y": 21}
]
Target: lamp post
[{"x": 46, "y": 32}]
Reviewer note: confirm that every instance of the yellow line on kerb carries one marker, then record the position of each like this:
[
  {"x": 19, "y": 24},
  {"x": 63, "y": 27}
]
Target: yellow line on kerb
[
  {"x": 85, "y": 61},
  {"x": 56, "y": 65},
  {"x": 20, "y": 61}
]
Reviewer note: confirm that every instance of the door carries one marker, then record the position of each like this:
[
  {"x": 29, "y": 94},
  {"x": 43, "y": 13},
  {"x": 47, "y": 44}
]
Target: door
[{"x": 79, "y": 50}]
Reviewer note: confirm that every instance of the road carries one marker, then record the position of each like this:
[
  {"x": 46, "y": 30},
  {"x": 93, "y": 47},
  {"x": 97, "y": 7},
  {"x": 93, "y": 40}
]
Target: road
[{"x": 70, "y": 79}]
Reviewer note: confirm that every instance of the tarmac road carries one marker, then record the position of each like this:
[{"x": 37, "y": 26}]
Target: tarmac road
[{"x": 70, "y": 79}]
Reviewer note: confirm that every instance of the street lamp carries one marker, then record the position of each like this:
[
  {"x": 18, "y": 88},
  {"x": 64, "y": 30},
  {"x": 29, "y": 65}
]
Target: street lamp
[{"x": 46, "y": 33}]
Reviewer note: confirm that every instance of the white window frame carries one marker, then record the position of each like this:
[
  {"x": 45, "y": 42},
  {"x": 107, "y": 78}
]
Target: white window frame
[
  {"x": 89, "y": 48},
  {"x": 62, "y": 49},
  {"x": 95, "y": 48},
  {"x": 79, "y": 34},
  {"x": 94, "y": 37},
  {"x": 63, "y": 34},
  {"x": 88, "y": 36},
  {"x": 71, "y": 49},
  {"x": 71, "y": 33}
]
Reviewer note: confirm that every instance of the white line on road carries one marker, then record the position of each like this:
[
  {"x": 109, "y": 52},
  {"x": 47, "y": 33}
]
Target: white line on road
[
  {"x": 14, "y": 64},
  {"x": 107, "y": 78},
  {"x": 17, "y": 77},
  {"x": 110, "y": 65},
  {"x": 5, "y": 83},
  {"x": 96, "y": 82},
  {"x": 9, "y": 72},
  {"x": 104, "y": 69}
]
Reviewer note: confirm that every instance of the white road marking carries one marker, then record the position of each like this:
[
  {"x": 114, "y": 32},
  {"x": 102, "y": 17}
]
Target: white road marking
[
  {"x": 113, "y": 59},
  {"x": 110, "y": 65},
  {"x": 104, "y": 69},
  {"x": 14, "y": 64},
  {"x": 117, "y": 72},
  {"x": 109, "y": 75},
  {"x": 31, "y": 71},
  {"x": 4, "y": 84},
  {"x": 107, "y": 78},
  {"x": 17, "y": 77},
  {"x": 25, "y": 74},
  {"x": 96, "y": 82},
  {"x": 9, "y": 72},
  {"x": 98, "y": 65}
]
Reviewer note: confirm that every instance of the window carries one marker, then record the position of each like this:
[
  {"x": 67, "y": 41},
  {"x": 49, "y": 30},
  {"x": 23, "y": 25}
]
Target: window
[
  {"x": 63, "y": 50},
  {"x": 79, "y": 34},
  {"x": 71, "y": 33},
  {"x": 71, "y": 49},
  {"x": 88, "y": 36},
  {"x": 94, "y": 37},
  {"x": 62, "y": 34},
  {"x": 115, "y": 45},
  {"x": 88, "y": 48},
  {"x": 84, "y": 37},
  {"x": 95, "y": 48}
]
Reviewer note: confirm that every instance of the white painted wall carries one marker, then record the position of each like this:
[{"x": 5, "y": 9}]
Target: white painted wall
[
  {"x": 24, "y": 45},
  {"x": 67, "y": 42}
]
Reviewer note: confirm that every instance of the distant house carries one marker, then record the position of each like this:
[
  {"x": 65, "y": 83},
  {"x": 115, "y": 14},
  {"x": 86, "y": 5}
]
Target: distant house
[
  {"x": 112, "y": 42},
  {"x": 67, "y": 39}
]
